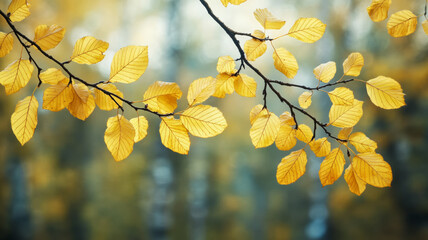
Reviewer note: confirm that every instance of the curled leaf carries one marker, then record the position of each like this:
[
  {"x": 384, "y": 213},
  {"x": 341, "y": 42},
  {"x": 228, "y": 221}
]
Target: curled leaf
[{"x": 267, "y": 20}]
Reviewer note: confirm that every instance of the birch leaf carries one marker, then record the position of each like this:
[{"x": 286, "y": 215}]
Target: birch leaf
[
  {"x": 385, "y": 93},
  {"x": 52, "y": 76},
  {"x": 119, "y": 137},
  {"x": 332, "y": 167},
  {"x": 6, "y": 43},
  {"x": 57, "y": 97},
  {"x": 343, "y": 116},
  {"x": 292, "y": 167},
  {"x": 307, "y": 30},
  {"x": 162, "y": 97},
  {"x": 344, "y": 134},
  {"x": 89, "y": 50},
  {"x": 226, "y": 64},
  {"x": 16, "y": 76},
  {"x": 203, "y": 121},
  {"x": 372, "y": 169},
  {"x": 245, "y": 86},
  {"x": 286, "y": 118},
  {"x": 255, "y": 48},
  {"x": 325, "y": 72},
  {"x": 18, "y": 10},
  {"x": 236, "y": 2},
  {"x": 83, "y": 103},
  {"x": 402, "y": 23},
  {"x": 305, "y": 100},
  {"x": 264, "y": 130},
  {"x": 24, "y": 119},
  {"x": 285, "y": 62},
  {"x": 341, "y": 96},
  {"x": 355, "y": 184},
  {"x": 129, "y": 63},
  {"x": 174, "y": 135},
  {"x": 224, "y": 85},
  {"x": 104, "y": 101},
  {"x": 304, "y": 133},
  {"x": 140, "y": 125},
  {"x": 200, "y": 90},
  {"x": 255, "y": 112},
  {"x": 286, "y": 138},
  {"x": 321, "y": 147},
  {"x": 353, "y": 64},
  {"x": 362, "y": 143},
  {"x": 378, "y": 10},
  {"x": 48, "y": 37},
  {"x": 267, "y": 20}
]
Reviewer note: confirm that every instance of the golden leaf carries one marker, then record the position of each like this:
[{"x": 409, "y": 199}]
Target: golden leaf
[
  {"x": 332, "y": 167},
  {"x": 344, "y": 134},
  {"x": 304, "y": 133},
  {"x": 129, "y": 63},
  {"x": 356, "y": 185},
  {"x": 385, "y": 93},
  {"x": 83, "y": 103},
  {"x": 225, "y": 2},
  {"x": 255, "y": 111},
  {"x": 292, "y": 167},
  {"x": 203, "y": 121},
  {"x": 264, "y": 130},
  {"x": 341, "y": 96},
  {"x": 372, "y": 169},
  {"x": 267, "y": 20},
  {"x": 58, "y": 97},
  {"x": 285, "y": 62},
  {"x": 119, "y": 137},
  {"x": 378, "y": 10},
  {"x": 6, "y": 43},
  {"x": 286, "y": 118},
  {"x": 255, "y": 48},
  {"x": 307, "y": 30},
  {"x": 353, "y": 64},
  {"x": 362, "y": 143},
  {"x": 305, "y": 100},
  {"x": 52, "y": 76},
  {"x": 89, "y": 50},
  {"x": 343, "y": 116},
  {"x": 162, "y": 97},
  {"x": 245, "y": 86},
  {"x": 402, "y": 23},
  {"x": 286, "y": 138},
  {"x": 140, "y": 125},
  {"x": 200, "y": 90},
  {"x": 235, "y": 2},
  {"x": 24, "y": 119},
  {"x": 48, "y": 37},
  {"x": 226, "y": 64},
  {"x": 16, "y": 75},
  {"x": 325, "y": 72},
  {"x": 104, "y": 101},
  {"x": 425, "y": 26},
  {"x": 18, "y": 10},
  {"x": 321, "y": 147},
  {"x": 224, "y": 85},
  {"x": 174, "y": 135}
]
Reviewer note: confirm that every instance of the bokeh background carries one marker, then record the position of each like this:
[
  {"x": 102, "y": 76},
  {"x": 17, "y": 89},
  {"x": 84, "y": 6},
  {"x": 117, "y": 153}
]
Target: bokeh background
[{"x": 64, "y": 184}]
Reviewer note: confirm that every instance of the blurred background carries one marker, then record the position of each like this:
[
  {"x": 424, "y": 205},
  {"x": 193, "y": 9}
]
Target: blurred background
[{"x": 64, "y": 184}]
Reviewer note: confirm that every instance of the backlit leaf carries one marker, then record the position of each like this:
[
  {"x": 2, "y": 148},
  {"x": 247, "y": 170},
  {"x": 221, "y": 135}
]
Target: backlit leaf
[
  {"x": 343, "y": 116},
  {"x": 6, "y": 43},
  {"x": 89, "y": 50},
  {"x": 174, "y": 135},
  {"x": 140, "y": 125},
  {"x": 353, "y": 64},
  {"x": 372, "y": 169},
  {"x": 378, "y": 10},
  {"x": 255, "y": 111},
  {"x": 356, "y": 185},
  {"x": 104, "y": 101},
  {"x": 203, "y": 121},
  {"x": 200, "y": 90},
  {"x": 225, "y": 2},
  {"x": 236, "y": 2},
  {"x": 385, "y": 93},
  {"x": 255, "y": 48},
  {"x": 18, "y": 10},
  {"x": 226, "y": 64},
  {"x": 341, "y": 96},
  {"x": 286, "y": 138},
  {"x": 305, "y": 100},
  {"x": 285, "y": 62},
  {"x": 52, "y": 76},
  {"x": 267, "y": 20},
  {"x": 129, "y": 63},
  {"x": 304, "y": 133},
  {"x": 344, "y": 134},
  {"x": 83, "y": 103},
  {"x": 307, "y": 30},
  {"x": 16, "y": 75},
  {"x": 24, "y": 119},
  {"x": 286, "y": 118},
  {"x": 425, "y": 26},
  {"x": 58, "y": 97},
  {"x": 245, "y": 86},
  {"x": 48, "y": 37},
  {"x": 362, "y": 143},
  {"x": 321, "y": 147},
  {"x": 402, "y": 23},
  {"x": 332, "y": 167},
  {"x": 119, "y": 137},
  {"x": 162, "y": 97},
  {"x": 224, "y": 85},
  {"x": 292, "y": 167},
  {"x": 325, "y": 72},
  {"x": 264, "y": 130}
]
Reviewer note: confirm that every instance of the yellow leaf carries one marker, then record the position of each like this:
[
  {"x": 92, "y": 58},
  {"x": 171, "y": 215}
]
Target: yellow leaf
[
  {"x": 343, "y": 116},
  {"x": 16, "y": 75},
  {"x": 285, "y": 62},
  {"x": 255, "y": 48},
  {"x": 264, "y": 130},
  {"x": 362, "y": 143},
  {"x": 174, "y": 135},
  {"x": 385, "y": 93},
  {"x": 58, "y": 97},
  {"x": 224, "y": 85},
  {"x": 104, "y": 101},
  {"x": 332, "y": 167},
  {"x": 225, "y": 2},
  {"x": 344, "y": 134},
  {"x": 267, "y": 20},
  {"x": 292, "y": 167},
  {"x": 245, "y": 86},
  {"x": 307, "y": 30},
  {"x": 18, "y": 10},
  {"x": 52, "y": 76},
  {"x": 286, "y": 118},
  {"x": 321, "y": 147},
  {"x": 286, "y": 138},
  {"x": 341, "y": 96},
  {"x": 356, "y": 185},
  {"x": 129, "y": 63},
  {"x": 305, "y": 100},
  {"x": 162, "y": 97},
  {"x": 304, "y": 133},
  {"x": 83, "y": 103},
  {"x": 425, "y": 26},
  {"x": 372, "y": 169},
  {"x": 140, "y": 125},
  {"x": 353, "y": 64},
  {"x": 119, "y": 137},
  {"x": 226, "y": 64},
  {"x": 6, "y": 43},
  {"x": 89, "y": 50},
  {"x": 402, "y": 23},
  {"x": 203, "y": 121},
  {"x": 255, "y": 111},
  {"x": 200, "y": 90},
  {"x": 378, "y": 10},
  {"x": 325, "y": 72},
  {"x": 48, "y": 37},
  {"x": 235, "y": 2},
  {"x": 24, "y": 119}
]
